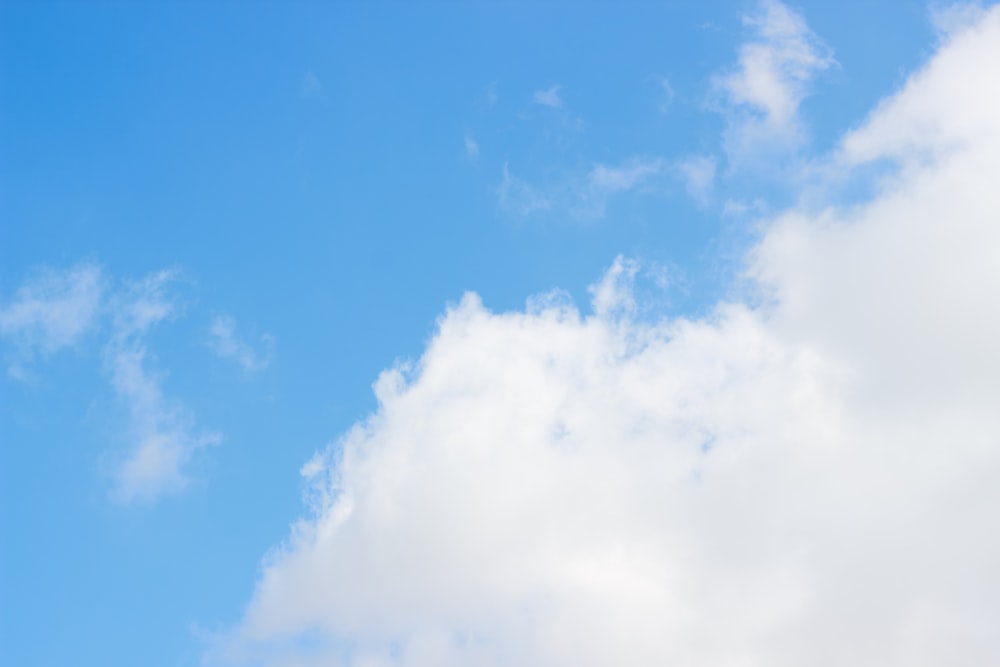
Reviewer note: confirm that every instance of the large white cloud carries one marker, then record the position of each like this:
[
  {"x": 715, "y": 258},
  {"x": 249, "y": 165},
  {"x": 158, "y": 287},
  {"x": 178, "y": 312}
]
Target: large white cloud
[{"x": 807, "y": 480}]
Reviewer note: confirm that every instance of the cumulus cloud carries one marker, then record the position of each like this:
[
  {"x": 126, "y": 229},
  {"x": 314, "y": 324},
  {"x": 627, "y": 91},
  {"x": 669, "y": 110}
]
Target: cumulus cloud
[
  {"x": 160, "y": 430},
  {"x": 52, "y": 311},
  {"x": 806, "y": 478},
  {"x": 227, "y": 345},
  {"x": 762, "y": 94}
]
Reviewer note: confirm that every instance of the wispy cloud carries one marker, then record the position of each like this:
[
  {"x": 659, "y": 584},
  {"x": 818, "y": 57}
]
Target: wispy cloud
[
  {"x": 55, "y": 309},
  {"x": 492, "y": 96},
  {"x": 160, "y": 431},
  {"x": 549, "y": 97},
  {"x": 583, "y": 196},
  {"x": 517, "y": 196},
  {"x": 667, "y": 95},
  {"x": 762, "y": 94},
  {"x": 604, "y": 182},
  {"x": 310, "y": 86},
  {"x": 698, "y": 175},
  {"x": 471, "y": 147},
  {"x": 52, "y": 311},
  {"x": 227, "y": 345}
]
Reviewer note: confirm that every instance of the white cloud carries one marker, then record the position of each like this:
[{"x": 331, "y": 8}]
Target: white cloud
[
  {"x": 666, "y": 95},
  {"x": 225, "y": 343},
  {"x": 604, "y": 182},
  {"x": 52, "y": 311},
  {"x": 471, "y": 147},
  {"x": 582, "y": 196},
  {"x": 518, "y": 196},
  {"x": 698, "y": 174},
  {"x": 809, "y": 481},
  {"x": 163, "y": 440},
  {"x": 55, "y": 309},
  {"x": 763, "y": 92},
  {"x": 949, "y": 18},
  {"x": 549, "y": 97}
]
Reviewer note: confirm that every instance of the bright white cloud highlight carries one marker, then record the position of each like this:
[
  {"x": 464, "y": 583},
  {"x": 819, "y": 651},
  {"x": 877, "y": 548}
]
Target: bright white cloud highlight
[
  {"x": 227, "y": 345},
  {"x": 763, "y": 92},
  {"x": 810, "y": 481},
  {"x": 52, "y": 311}
]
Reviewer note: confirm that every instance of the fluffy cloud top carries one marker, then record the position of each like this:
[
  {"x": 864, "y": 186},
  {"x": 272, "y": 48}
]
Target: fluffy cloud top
[{"x": 806, "y": 481}]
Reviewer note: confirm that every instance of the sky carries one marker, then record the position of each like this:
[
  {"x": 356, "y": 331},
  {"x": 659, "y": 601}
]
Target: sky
[{"x": 428, "y": 334}]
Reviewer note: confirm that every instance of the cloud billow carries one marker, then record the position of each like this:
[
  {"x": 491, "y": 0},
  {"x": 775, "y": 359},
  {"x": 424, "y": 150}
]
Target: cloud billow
[{"x": 806, "y": 478}]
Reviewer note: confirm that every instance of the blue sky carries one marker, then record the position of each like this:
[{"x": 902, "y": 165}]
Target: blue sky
[{"x": 221, "y": 223}]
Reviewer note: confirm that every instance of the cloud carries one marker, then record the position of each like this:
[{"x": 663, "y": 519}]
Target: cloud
[
  {"x": 225, "y": 343},
  {"x": 949, "y": 18},
  {"x": 471, "y": 147},
  {"x": 667, "y": 95},
  {"x": 582, "y": 196},
  {"x": 160, "y": 430},
  {"x": 804, "y": 477},
  {"x": 310, "y": 86},
  {"x": 519, "y": 197},
  {"x": 52, "y": 311},
  {"x": 548, "y": 97},
  {"x": 698, "y": 174},
  {"x": 762, "y": 94},
  {"x": 604, "y": 182},
  {"x": 55, "y": 309}
]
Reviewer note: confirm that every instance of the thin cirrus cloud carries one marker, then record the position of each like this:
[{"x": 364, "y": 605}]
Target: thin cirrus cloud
[
  {"x": 697, "y": 173},
  {"x": 762, "y": 93},
  {"x": 548, "y": 97},
  {"x": 55, "y": 309},
  {"x": 517, "y": 196},
  {"x": 161, "y": 431},
  {"x": 587, "y": 195},
  {"x": 51, "y": 311},
  {"x": 228, "y": 345},
  {"x": 582, "y": 196},
  {"x": 805, "y": 477},
  {"x": 471, "y": 147}
]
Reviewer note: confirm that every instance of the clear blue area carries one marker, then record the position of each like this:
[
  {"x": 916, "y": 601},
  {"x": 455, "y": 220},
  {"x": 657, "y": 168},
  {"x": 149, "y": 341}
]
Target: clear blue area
[{"x": 305, "y": 167}]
